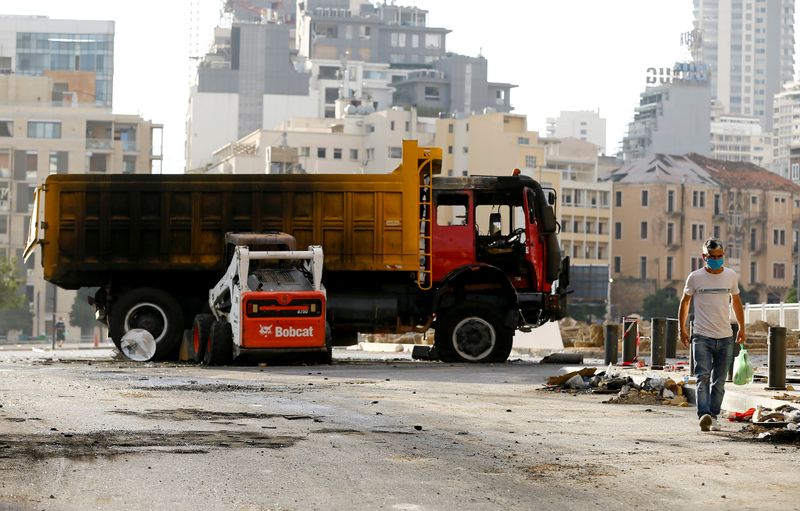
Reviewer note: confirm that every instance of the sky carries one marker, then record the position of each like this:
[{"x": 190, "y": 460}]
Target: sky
[{"x": 562, "y": 54}]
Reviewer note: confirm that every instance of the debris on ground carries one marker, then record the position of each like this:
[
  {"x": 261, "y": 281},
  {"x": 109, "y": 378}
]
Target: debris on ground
[
  {"x": 652, "y": 391},
  {"x": 781, "y": 425},
  {"x": 788, "y": 397}
]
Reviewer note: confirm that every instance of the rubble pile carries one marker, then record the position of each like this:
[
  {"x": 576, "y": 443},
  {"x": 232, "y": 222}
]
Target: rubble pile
[
  {"x": 653, "y": 391},
  {"x": 580, "y": 335},
  {"x": 781, "y": 425},
  {"x": 758, "y": 331}
]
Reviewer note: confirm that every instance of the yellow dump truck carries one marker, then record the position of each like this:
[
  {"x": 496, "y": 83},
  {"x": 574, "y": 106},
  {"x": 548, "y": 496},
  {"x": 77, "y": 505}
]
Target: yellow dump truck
[{"x": 404, "y": 251}]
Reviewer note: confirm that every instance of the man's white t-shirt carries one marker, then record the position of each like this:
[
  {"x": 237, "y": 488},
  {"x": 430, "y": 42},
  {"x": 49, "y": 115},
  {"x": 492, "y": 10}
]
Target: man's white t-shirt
[{"x": 711, "y": 294}]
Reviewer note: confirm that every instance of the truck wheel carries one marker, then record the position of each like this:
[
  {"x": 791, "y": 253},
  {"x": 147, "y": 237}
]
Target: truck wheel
[
  {"x": 219, "y": 348},
  {"x": 472, "y": 332},
  {"x": 153, "y": 310},
  {"x": 201, "y": 328}
]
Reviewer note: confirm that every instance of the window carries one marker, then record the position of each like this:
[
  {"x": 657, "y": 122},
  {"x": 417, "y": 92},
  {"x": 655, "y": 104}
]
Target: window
[
  {"x": 779, "y": 237},
  {"x": 795, "y": 171},
  {"x": 530, "y": 162},
  {"x": 433, "y": 41},
  {"x": 618, "y": 199},
  {"x": 696, "y": 263},
  {"x": 753, "y": 239},
  {"x": 450, "y": 128},
  {"x": 778, "y": 271},
  {"x": 337, "y": 153},
  {"x": 465, "y": 150},
  {"x": 321, "y": 152},
  {"x": 670, "y": 201},
  {"x": 305, "y": 151},
  {"x": 432, "y": 93},
  {"x": 643, "y": 267},
  {"x": 669, "y": 267},
  {"x": 670, "y": 233},
  {"x": 698, "y": 232},
  {"x": 717, "y": 232},
  {"x": 523, "y": 140},
  {"x": 44, "y": 129},
  {"x": 617, "y": 264},
  {"x": 370, "y": 154},
  {"x": 353, "y": 154},
  {"x": 753, "y": 272},
  {"x": 645, "y": 198},
  {"x": 391, "y": 125},
  {"x": 617, "y": 230},
  {"x": 395, "y": 152},
  {"x": 58, "y": 162},
  {"x": 643, "y": 231},
  {"x": 717, "y": 204},
  {"x": 451, "y": 209},
  {"x": 449, "y": 149},
  {"x": 415, "y": 40},
  {"x": 6, "y": 128}
]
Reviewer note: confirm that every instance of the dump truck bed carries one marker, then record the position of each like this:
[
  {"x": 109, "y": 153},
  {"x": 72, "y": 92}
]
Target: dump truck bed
[{"x": 94, "y": 225}]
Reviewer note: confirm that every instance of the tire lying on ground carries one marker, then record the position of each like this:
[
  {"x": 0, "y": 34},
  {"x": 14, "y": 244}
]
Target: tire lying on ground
[{"x": 153, "y": 310}]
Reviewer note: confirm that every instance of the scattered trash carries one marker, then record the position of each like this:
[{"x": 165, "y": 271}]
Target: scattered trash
[
  {"x": 652, "y": 391},
  {"x": 781, "y": 425},
  {"x": 788, "y": 397},
  {"x": 563, "y": 358}
]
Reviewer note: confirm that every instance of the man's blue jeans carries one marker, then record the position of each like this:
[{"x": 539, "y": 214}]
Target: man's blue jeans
[{"x": 711, "y": 359}]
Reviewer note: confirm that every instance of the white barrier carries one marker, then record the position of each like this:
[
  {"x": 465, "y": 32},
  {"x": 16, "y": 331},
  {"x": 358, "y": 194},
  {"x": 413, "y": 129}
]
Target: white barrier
[{"x": 776, "y": 314}]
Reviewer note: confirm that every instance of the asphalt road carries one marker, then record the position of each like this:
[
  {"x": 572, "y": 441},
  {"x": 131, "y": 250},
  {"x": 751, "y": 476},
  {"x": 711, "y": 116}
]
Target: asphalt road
[{"x": 88, "y": 432}]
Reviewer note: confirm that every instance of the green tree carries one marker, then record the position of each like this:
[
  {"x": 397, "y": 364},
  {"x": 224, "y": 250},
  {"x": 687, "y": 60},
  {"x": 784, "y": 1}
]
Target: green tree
[
  {"x": 15, "y": 313},
  {"x": 660, "y": 305},
  {"x": 82, "y": 314},
  {"x": 791, "y": 296}
]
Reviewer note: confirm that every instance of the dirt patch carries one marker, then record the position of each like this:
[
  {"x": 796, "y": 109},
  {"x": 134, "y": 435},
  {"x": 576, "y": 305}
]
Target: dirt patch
[
  {"x": 221, "y": 387},
  {"x": 564, "y": 470},
  {"x": 114, "y": 443},
  {"x": 191, "y": 414}
]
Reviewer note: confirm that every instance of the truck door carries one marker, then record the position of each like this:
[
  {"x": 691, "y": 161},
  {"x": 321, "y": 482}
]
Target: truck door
[
  {"x": 453, "y": 233},
  {"x": 534, "y": 249}
]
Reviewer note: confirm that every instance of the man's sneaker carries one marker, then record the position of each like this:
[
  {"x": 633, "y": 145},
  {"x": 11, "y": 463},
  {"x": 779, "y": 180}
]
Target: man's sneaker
[
  {"x": 705, "y": 422},
  {"x": 715, "y": 425}
]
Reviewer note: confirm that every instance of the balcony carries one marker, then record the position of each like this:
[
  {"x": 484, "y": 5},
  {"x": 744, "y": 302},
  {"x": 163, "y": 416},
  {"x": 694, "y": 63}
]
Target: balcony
[{"x": 101, "y": 144}]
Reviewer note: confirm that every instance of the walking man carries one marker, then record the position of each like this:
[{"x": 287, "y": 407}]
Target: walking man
[{"x": 715, "y": 289}]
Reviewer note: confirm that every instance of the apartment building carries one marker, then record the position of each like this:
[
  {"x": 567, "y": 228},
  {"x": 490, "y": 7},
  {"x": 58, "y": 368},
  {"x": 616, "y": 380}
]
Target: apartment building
[
  {"x": 354, "y": 143},
  {"x": 739, "y": 138},
  {"x": 665, "y": 206},
  {"x": 748, "y": 46},
  {"x": 584, "y": 213},
  {"x": 39, "y": 137},
  {"x": 586, "y": 125},
  {"x": 786, "y": 133}
]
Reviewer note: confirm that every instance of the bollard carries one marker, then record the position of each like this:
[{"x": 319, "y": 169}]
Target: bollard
[
  {"x": 630, "y": 341},
  {"x": 672, "y": 338},
  {"x": 657, "y": 348},
  {"x": 611, "y": 344},
  {"x": 735, "y": 352},
  {"x": 776, "y": 356}
]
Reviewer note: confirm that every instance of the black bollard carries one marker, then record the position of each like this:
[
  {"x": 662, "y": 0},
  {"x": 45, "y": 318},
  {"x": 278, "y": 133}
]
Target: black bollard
[
  {"x": 672, "y": 338},
  {"x": 735, "y": 352},
  {"x": 630, "y": 333},
  {"x": 611, "y": 344},
  {"x": 776, "y": 355},
  {"x": 657, "y": 349}
]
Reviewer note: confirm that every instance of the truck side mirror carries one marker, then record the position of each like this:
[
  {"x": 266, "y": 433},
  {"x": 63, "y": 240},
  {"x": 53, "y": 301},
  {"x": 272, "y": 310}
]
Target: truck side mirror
[{"x": 551, "y": 198}]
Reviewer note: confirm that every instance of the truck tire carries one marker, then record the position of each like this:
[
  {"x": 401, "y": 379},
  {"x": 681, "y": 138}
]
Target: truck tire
[
  {"x": 201, "y": 328},
  {"x": 219, "y": 348},
  {"x": 153, "y": 310},
  {"x": 472, "y": 332}
]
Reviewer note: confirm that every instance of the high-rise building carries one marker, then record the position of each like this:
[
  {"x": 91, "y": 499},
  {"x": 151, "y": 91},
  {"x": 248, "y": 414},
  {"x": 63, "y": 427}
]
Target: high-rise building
[
  {"x": 584, "y": 125},
  {"x": 739, "y": 138},
  {"x": 786, "y": 133},
  {"x": 671, "y": 119},
  {"x": 748, "y": 46},
  {"x": 77, "y": 54}
]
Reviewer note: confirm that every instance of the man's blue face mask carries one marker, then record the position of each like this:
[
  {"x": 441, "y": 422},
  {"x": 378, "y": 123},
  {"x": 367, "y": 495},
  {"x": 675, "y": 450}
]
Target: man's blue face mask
[{"x": 715, "y": 264}]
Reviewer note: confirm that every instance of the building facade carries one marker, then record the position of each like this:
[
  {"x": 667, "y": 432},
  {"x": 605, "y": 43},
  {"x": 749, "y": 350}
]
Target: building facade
[
  {"x": 786, "y": 133},
  {"x": 666, "y": 206},
  {"x": 748, "y": 46},
  {"x": 77, "y": 54},
  {"x": 583, "y": 125},
  {"x": 740, "y": 138}
]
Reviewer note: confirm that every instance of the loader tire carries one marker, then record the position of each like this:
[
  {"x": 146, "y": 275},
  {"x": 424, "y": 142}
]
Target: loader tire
[
  {"x": 219, "y": 348},
  {"x": 153, "y": 310}
]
